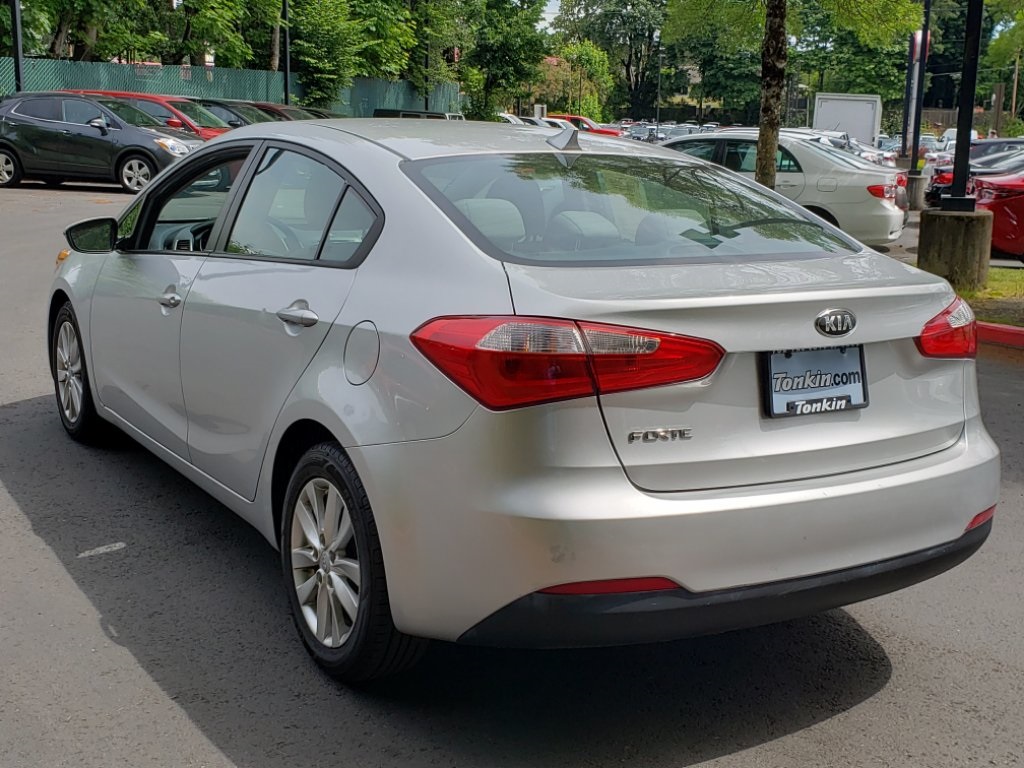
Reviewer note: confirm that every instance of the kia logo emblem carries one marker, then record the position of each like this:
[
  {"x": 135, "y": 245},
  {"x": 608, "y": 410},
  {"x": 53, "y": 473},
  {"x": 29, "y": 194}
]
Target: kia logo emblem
[{"x": 835, "y": 322}]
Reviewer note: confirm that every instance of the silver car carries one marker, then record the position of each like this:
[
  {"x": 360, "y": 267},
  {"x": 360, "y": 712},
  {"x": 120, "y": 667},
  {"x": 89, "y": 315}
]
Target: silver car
[{"x": 513, "y": 386}]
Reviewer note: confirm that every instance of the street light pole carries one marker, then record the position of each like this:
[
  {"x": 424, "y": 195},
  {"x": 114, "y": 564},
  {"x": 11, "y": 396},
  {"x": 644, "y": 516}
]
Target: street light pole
[
  {"x": 958, "y": 199},
  {"x": 285, "y": 53},
  {"x": 657, "y": 119},
  {"x": 919, "y": 100},
  {"x": 16, "y": 48}
]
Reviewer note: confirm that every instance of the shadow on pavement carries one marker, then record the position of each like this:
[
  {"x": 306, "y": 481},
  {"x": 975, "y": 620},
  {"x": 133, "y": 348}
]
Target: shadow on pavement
[
  {"x": 195, "y": 597},
  {"x": 74, "y": 186}
]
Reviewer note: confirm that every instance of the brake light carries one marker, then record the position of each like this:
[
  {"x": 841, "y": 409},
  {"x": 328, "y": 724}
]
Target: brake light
[
  {"x": 883, "y": 191},
  {"x": 942, "y": 178},
  {"x": 511, "y": 362},
  {"x": 951, "y": 333},
  {"x": 612, "y": 586},
  {"x": 901, "y": 178},
  {"x": 980, "y": 519}
]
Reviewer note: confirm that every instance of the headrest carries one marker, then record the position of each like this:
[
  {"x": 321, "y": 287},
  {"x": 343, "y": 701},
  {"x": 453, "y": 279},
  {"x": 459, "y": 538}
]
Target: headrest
[
  {"x": 498, "y": 220},
  {"x": 580, "y": 231}
]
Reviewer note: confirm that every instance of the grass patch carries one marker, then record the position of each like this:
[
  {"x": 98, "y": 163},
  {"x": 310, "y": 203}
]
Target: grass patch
[{"x": 1002, "y": 299}]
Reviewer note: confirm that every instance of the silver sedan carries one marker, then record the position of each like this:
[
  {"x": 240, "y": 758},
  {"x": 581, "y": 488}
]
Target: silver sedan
[{"x": 513, "y": 386}]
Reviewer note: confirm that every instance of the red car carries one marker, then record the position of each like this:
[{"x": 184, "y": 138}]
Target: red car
[
  {"x": 588, "y": 125},
  {"x": 1004, "y": 196},
  {"x": 172, "y": 111}
]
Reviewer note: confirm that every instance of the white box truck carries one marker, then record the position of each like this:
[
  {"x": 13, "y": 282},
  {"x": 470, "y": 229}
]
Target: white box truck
[{"x": 858, "y": 114}]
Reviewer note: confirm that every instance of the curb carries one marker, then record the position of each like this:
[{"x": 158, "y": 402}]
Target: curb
[{"x": 1006, "y": 335}]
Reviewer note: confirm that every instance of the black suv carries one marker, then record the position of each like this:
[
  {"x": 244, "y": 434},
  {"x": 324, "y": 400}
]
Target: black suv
[{"x": 58, "y": 137}]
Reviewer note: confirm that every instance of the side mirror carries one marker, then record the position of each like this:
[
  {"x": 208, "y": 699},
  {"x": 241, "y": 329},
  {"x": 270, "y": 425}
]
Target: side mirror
[
  {"x": 100, "y": 124},
  {"x": 93, "y": 235},
  {"x": 173, "y": 122},
  {"x": 235, "y": 123}
]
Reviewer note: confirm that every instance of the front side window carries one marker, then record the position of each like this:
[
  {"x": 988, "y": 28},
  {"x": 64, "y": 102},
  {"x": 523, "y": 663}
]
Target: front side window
[
  {"x": 186, "y": 216},
  {"x": 703, "y": 150},
  {"x": 533, "y": 208},
  {"x": 159, "y": 111},
  {"x": 80, "y": 112},
  {"x": 741, "y": 156},
  {"x": 286, "y": 208}
]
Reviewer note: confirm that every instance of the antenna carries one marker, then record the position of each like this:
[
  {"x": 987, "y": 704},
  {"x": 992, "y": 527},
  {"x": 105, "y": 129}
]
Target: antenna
[{"x": 567, "y": 140}]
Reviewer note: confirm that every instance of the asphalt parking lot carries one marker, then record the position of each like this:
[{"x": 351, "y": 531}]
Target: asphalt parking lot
[{"x": 142, "y": 624}]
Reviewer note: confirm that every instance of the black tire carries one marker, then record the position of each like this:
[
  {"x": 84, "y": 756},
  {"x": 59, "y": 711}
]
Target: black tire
[
  {"x": 52, "y": 182},
  {"x": 84, "y": 425},
  {"x": 14, "y": 174},
  {"x": 823, "y": 214},
  {"x": 145, "y": 166},
  {"x": 373, "y": 647}
]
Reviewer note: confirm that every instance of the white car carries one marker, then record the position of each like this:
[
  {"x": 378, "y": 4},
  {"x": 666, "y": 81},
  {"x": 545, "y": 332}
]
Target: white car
[{"x": 855, "y": 195}]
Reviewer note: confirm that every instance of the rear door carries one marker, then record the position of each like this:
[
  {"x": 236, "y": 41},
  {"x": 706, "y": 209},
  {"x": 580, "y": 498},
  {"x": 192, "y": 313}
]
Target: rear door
[
  {"x": 36, "y": 128},
  {"x": 263, "y": 304},
  {"x": 741, "y": 157}
]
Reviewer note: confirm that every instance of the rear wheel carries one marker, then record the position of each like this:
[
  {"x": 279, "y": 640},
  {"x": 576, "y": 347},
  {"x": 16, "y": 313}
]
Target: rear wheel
[
  {"x": 134, "y": 173},
  {"x": 333, "y": 570},
  {"x": 823, "y": 214},
  {"x": 10, "y": 168},
  {"x": 52, "y": 182}
]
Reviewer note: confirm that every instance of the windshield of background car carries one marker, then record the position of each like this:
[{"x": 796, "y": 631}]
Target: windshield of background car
[
  {"x": 251, "y": 114},
  {"x": 574, "y": 210},
  {"x": 199, "y": 114},
  {"x": 128, "y": 113}
]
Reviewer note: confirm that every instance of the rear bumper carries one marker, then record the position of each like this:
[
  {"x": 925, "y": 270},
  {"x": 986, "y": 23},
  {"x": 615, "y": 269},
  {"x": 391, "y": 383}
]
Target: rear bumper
[
  {"x": 571, "y": 621},
  {"x": 873, "y": 222}
]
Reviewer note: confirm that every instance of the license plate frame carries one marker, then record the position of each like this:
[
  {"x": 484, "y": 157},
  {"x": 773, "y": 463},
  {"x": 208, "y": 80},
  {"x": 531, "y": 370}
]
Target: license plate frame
[{"x": 800, "y": 366}]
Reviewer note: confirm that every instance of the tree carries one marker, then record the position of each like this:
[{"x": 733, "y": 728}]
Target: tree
[
  {"x": 576, "y": 79},
  {"x": 445, "y": 30},
  {"x": 629, "y": 32},
  {"x": 326, "y": 48},
  {"x": 389, "y": 35},
  {"x": 872, "y": 21}
]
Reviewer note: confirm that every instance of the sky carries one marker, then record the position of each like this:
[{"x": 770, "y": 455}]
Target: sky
[{"x": 550, "y": 11}]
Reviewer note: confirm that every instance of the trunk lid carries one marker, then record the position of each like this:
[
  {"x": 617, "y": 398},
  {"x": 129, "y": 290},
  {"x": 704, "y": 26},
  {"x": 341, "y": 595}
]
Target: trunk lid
[{"x": 716, "y": 433}]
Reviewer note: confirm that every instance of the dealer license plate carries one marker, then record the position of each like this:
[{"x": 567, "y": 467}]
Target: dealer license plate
[{"x": 808, "y": 381}]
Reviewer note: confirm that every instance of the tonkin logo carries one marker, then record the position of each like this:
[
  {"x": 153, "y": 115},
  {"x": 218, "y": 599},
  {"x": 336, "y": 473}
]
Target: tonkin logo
[{"x": 835, "y": 322}]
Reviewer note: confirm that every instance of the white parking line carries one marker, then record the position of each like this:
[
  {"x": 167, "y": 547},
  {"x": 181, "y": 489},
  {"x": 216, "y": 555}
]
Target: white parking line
[{"x": 106, "y": 548}]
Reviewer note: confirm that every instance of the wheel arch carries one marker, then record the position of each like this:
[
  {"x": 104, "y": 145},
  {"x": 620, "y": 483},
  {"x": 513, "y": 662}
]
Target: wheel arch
[
  {"x": 135, "y": 150},
  {"x": 57, "y": 300},
  {"x": 824, "y": 213},
  {"x": 298, "y": 438}
]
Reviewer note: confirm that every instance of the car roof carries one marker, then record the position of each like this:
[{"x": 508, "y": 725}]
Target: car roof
[{"x": 420, "y": 139}]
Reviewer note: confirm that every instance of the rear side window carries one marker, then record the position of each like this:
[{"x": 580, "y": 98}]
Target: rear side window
[
  {"x": 617, "y": 210},
  {"x": 41, "y": 109},
  {"x": 704, "y": 150}
]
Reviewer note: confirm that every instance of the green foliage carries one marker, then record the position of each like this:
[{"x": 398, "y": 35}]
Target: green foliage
[
  {"x": 388, "y": 36},
  {"x": 326, "y": 48},
  {"x": 445, "y": 30},
  {"x": 506, "y": 52},
  {"x": 576, "y": 80}
]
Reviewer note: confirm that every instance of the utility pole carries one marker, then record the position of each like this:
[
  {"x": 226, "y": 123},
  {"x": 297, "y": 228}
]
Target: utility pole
[
  {"x": 919, "y": 101},
  {"x": 1016, "y": 78},
  {"x": 907, "y": 96},
  {"x": 16, "y": 47},
  {"x": 286, "y": 53},
  {"x": 958, "y": 199},
  {"x": 657, "y": 119},
  {"x": 997, "y": 107}
]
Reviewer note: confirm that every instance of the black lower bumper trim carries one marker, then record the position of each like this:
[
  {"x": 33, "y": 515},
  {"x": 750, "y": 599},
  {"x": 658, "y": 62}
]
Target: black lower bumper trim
[{"x": 578, "y": 621}]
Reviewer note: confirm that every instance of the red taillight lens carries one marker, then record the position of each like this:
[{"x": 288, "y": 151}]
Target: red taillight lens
[
  {"x": 942, "y": 178},
  {"x": 511, "y": 362},
  {"x": 612, "y": 586},
  {"x": 980, "y": 519},
  {"x": 901, "y": 179},
  {"x": 951, "y": 333},
  {"x": 884, "y": 191}
]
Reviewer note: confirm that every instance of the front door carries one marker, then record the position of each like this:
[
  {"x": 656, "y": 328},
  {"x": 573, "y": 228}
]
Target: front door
[
  {"x": 262, "y": 306},
  {"x": 139, "y": 298},
  {"x": 88, "y": 151}
]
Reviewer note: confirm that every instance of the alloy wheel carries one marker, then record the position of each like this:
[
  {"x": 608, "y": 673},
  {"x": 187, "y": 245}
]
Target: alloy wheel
[
  {"x": 325, "y": 564},
  {"x": 69, "y": 372},
  {"x": 135, "y": 174},
  {"x": 6, "y": 168}
]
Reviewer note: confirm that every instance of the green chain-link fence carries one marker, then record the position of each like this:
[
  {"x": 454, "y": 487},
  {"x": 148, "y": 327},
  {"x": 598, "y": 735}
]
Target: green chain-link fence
[{"x": 358, "y": 100}]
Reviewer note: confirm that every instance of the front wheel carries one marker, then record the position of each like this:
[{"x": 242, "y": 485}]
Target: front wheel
[
  {"x": 333, "y": 570},
  {"x": 71, "y": 381},
  {"x": 134, "y": 173}
]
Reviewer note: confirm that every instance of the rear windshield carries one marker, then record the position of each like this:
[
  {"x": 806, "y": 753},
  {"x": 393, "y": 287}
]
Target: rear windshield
[
  {"x": 199, "y": 114},
  {"x": 584, "y": 209}
]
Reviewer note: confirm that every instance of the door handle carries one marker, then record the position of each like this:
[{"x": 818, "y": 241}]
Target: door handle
[
  {"x": 298, "y": 315},
  {"x": 170, "y": 299}
]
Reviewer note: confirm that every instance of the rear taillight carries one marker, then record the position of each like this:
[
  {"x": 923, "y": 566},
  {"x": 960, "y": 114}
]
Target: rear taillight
[
  {"x": 884, "y": 191},
  {"x": 901, "y": 179},
  {"x": 511, "y": 362},
  {"x": 988, "y": 191},
  {"x": 612, "y": 586},
  {"x": 942, "y": 178},
  {"x": 951, "y": 333}
]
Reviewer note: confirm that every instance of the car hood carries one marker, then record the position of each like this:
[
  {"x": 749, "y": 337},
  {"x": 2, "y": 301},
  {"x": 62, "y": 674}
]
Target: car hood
[{"x": 159, "y": 130}]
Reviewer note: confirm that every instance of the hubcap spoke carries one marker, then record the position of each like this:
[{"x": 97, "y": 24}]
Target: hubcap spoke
[
  {"x": 308, "y": 525},
  {"x": 347, "y": 599},
  {"x": 323, "y": 608},
  {"x": 344, "y": 535},
  {"x": 306, "y": 589},
  {"x": 332, "y": 515},
  {"x": 304, "y": 558},
  {"x": 68, "y": 367},
  {"x": 349, "y": 568}
]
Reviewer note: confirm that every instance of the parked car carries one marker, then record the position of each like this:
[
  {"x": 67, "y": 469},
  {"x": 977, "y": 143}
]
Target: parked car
[
  {"x": 537, "y": 121},
  {"x": 283, "y": 111},
  {"x": 857, "y": 196},
  {"x": 172, "y": 111},
  {"x": 1004, "y": 196},
  {"x": 234, "y": 113},
  {"x": 324, "y": 114},
  {"x": 630, "y": 396},
  {"x": 984, "y": 147},
  {"x": 506, "y": 117},
  {"x": 57, "y": 137},
  {"x": 948, "y": 138},
  {"x": 418, "y": 114},
  {"x": 557, "y": 122},
  {"x": 999, "y": 164},
  {"x": 587, "y": 125}
]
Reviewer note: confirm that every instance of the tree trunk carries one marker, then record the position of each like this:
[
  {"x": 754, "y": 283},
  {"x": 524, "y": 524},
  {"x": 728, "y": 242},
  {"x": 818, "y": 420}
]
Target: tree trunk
[
  {"x": 773, "y": 78},
  {"x": 60, "y": 37},
  {"x": 275, "y": 45}
]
